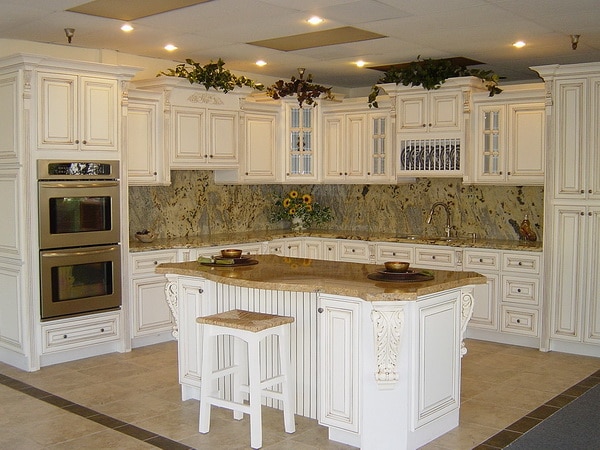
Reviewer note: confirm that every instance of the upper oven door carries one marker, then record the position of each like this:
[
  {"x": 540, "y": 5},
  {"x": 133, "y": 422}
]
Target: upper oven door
[{"x": 78, "y": 213}]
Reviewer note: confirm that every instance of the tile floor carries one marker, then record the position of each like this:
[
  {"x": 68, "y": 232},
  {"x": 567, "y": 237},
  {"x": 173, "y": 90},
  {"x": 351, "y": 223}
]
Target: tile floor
[{"x": 132, "y": 401}]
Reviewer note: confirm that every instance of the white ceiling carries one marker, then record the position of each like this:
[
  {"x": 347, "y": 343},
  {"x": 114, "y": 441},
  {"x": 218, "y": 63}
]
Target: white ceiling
[{"x": 481, "y": 30}]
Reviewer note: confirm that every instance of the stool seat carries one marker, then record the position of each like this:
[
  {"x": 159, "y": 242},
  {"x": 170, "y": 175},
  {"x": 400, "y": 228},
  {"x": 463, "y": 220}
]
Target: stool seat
[
  {"x": 249, "y": 327},
  {"x": 245, "y": 320}
]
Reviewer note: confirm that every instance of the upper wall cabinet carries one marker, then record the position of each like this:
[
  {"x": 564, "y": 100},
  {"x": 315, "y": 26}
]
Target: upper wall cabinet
[
  {"x": 201, "y": 127},
  {"x": 301, "y": 132},
  {"x": 77, "y": 112},
  {"x": 146, "y": 159},
  {"x": 431, "y": 127},
  {"x": 357, "y": 143},
  {"x": 508, "y": 145}
]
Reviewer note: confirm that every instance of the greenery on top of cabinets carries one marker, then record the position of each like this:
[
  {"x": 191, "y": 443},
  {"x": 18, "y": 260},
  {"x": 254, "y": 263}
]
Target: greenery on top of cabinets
[
  {"x": 305, "y": 90},
  {"x": 431, "y": 74},
  {"x": 211, "y": 75}
]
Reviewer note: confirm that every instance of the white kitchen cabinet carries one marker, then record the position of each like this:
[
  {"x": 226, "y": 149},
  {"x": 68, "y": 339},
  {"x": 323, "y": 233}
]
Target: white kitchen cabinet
[
  {"x": 438, "y": 257},
  {"x": 204, "y": 138},
  {"x": 430, "y": 111},
  {"x": 261, "y": 159},
  {"x": 286, "y": 247},
  {"x": 486, "y": 304},
  {"x": 312, "y": 248},
  {"x": 339, "y": 363},
  {"x": 356, "y": 251},
  {"x": 356, "y": 144},
  {"x": 509, "y": 145},
  {"x": 572, "y": 205},
  {"x": 146, "y": 159},
  {"x": 77, "y": 112},
  {"x": 390, "y": 251},
  {"x": 151, "y": 319},
  {"x": 302, "y": 152}
]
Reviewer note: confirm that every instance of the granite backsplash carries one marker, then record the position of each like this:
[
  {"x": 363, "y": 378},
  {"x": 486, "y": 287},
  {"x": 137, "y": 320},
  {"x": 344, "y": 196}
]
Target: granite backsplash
[{"x": 193, "y": 204}]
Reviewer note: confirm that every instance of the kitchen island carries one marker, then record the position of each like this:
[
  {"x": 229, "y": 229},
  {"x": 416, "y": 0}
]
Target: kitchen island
[{"x": 377, "y": 362}]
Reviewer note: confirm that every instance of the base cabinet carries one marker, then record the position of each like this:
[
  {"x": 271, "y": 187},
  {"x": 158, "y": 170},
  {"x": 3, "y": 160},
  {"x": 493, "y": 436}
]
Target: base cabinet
[{"x": 339, "y": 337}]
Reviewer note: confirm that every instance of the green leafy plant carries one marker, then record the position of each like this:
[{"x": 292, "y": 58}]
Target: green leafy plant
[
  {"x": 305, "y": 90},
  {"x": 431, "y": 74},
  {"x": 212, "y": 75},
  {"x": 302, "y": 206}
]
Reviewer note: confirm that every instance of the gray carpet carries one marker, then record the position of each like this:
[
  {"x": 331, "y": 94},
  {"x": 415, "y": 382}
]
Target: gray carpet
[{"x": 574, "y": 427}]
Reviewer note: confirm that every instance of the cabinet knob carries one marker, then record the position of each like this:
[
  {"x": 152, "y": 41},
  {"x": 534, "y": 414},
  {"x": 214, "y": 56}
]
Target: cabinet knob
[
  {"x": 582, "y": 213},
  {"x": 345, "y": 173},
  {"x": 433, "y": 257},
  {"x": 589, "y": 191},
  {"x": 518, "y": 320},
  {"x": 77, "y": 142},
  {"x": 520, "y": 263},
  {"x": 84, "y": 142},
  {"x": 507, "y": 173},
  {"x": 200, "y": 291},
  {"x": 589, "y": 213},
  {"x": 320, "y": 310},
  {"x": 210, "y": 156},
  {"x": 424, "y": 125},
  {"x": 582, "y": 191},
  {"x": 500, "y": 173},
  {"x": 519, "y": 290},
  {"x": 480, "y": 260},
  {"x": 155, "y": 263},
  {"x": 101, "y": 330},
  {"x": 155, "y": 173},
  {"x": 64, "y": 336},
  {"x": 246, "y": 173},
  {"x": 341, "y": 174},
  {"x": 429, "y": 125}
]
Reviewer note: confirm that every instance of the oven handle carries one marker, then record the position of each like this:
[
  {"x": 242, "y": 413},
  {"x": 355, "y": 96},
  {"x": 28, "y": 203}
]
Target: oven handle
[
  {"x": 72, "y": 184},
  {"x": 59, "y": 254}
]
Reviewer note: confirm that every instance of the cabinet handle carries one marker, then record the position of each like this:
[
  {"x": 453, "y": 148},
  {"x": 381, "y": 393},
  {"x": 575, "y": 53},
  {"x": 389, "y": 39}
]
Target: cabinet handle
[
  {"x": 353, "y": 250},
  {"x": 520, "y": 263},
  {"x": 589, "y": 213},
  {"x": 429, "y": 125},
  {"x": 320, "y": 310},
  {"x": 155, "y": 173},
  {"x": 341, "y": 174},
  {"x": 433, "y": 257},
  {"x": 200, "y": 291},
  {"x": 500, "y": 173},
  {"x": 589, "y": 191},
  {"x": 424, "y": 125},
  {"x": 155, "y": 263},
  {"x": 345, "y": 173},
  {"x": 507, "y": 173},
  {"x": 64, "y": 336},
  {"x": 368, "y": 173}
]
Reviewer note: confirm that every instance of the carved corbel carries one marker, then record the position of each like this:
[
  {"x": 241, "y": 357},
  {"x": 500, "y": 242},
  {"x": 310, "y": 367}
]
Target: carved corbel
[
  {"x": 466, "y": 311},
  {"x": 171, "y": 297},
  {"x": 388, "y": 324}
]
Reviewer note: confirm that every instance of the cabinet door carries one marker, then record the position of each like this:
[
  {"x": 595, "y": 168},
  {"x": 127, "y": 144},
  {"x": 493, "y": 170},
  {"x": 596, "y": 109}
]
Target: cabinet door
[
  {"x": 593, "y": 281},
  {"x": 379, "y": 152},
  {"x": 98, "y": 114},
  {"x": 491, "y": 157},
  {"x": 593, "y": 161},
  {"x": 333, "y": 143},
  {"x": 57, "y": 111},
  {"x": 313, "y": 248},
  {"x": 301, "y": 140},
  {"x": 412, "y": 113},
  {"x": 145, "y": 164},
  {"x": 444, "y": 111},
  {"x": 339, "y": 362},
  {"x": 570, "y": 138},
  {"x": 151, "y": 314},
  {"x": 567, "y": 288},
  {"x": 527, "y": 146},
  {"x": 260, "y": 147},
  {"x": 485, "y": 306},
  {"x": 223, "y": 141},
  {"x": 191, "y": 303},
  {"x": 355, "y": 147},
  {"x": 189, "y": 137}
]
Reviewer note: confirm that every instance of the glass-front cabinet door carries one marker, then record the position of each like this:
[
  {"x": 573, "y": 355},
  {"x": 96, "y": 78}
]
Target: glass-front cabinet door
[
  {"x": 301, "y": 140},
  {"x": 491, "y": 145}
]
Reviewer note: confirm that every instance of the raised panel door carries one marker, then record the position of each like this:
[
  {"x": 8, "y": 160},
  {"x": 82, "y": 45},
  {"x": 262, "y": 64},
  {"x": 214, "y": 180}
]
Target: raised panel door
[
  {"x": 412, "y": 113},
  {"x": 143, "y": 157},
  {"x": 355, "y": 146},
  {"x": 444, "y": 111},
  {"x": 151, "y": 314},
  {"x": 260, "y": 147},
  {"x": 593, "y": 280},
  {"x": 99, "y": 121},
  {"x": 57, "y": 111},
  {"x": 223, "y": 141},
  {"x": 593, "y": 162},
  {"x": 189, "y": 137},
  {"x": 527, "y": 143},
  {"x": 567, "y": 288},
  {"x": 333, "y": 163}
]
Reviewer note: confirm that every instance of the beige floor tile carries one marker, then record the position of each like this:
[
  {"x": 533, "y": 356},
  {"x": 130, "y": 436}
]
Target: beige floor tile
[{"x": 466, "y": 436}]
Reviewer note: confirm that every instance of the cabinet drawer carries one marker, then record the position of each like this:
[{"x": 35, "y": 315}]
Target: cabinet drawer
[
  {"x": 520, "y": 290},
  {"x": 354, "y": 251},
  {"x": 520, "y": 321},
  {"x": 481, "y": 260},
  {"x": 437, "y": 257},
  {"x": 521, "y": 262},
  {"x": 395, "y": 252},
  {"x": 146, "y": 262},
  {"x": 80, "y": 332}
]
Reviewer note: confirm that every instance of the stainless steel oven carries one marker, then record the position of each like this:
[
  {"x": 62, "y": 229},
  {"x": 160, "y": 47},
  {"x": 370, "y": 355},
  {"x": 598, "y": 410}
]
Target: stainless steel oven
[
  {"x": 80, "y": 280},
  {"x": 78, "y": 203},
  {"x": 79, "y": 234}
]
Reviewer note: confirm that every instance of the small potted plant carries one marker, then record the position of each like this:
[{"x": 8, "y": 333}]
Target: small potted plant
[{"x": 301, "y": 210}]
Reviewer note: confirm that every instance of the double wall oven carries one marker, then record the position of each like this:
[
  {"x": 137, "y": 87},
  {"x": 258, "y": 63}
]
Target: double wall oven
[{"x": 79, "y": 236}]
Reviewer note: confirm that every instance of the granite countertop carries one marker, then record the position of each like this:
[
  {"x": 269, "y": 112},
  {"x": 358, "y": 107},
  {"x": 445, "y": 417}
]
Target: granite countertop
[
  {"x": 210, "y": 240},
  {"x": 311, "y": 275}
]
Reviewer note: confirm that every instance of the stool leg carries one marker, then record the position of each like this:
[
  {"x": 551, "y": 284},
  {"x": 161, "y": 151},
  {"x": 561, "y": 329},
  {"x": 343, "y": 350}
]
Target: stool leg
[
  {"x": 241, "y": 369},
  {"x": 208, "y": 345},
  {"x": 289, "y": 384},
  {"x": 254, "y": 381}
]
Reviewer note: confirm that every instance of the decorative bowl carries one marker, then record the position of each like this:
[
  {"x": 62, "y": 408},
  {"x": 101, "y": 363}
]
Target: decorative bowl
[
  {"x": 144, "y": 237},
  {"x": 231, "y": 253},
  {"x": 396, "y": 266}
]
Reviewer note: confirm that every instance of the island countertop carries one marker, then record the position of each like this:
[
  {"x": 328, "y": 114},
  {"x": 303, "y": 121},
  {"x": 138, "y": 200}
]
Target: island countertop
[{"x": 311, "y": 275}]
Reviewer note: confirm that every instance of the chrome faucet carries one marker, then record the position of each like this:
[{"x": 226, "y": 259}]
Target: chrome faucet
[{"x": 443, "y": 205}]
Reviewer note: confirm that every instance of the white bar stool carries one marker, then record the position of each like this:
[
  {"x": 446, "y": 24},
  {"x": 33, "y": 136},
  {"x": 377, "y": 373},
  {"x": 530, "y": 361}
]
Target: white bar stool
[{"x": 251, "y": 327}]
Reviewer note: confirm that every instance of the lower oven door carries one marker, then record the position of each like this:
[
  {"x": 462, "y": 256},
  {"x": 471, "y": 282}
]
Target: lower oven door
[{"x": 80, "y": 280}]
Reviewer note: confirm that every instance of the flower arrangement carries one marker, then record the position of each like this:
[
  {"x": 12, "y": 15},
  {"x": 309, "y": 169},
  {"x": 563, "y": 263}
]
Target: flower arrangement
[
  {"x": 300, "y": 209},
  {"x": 305, "y": 90}
]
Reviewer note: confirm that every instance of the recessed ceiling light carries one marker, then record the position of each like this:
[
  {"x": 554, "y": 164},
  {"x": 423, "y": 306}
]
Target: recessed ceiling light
[
  {"x": 360, "y": 63},
  {"x": 126, "y": 27},
  {"x": 315, "y": 20},
  {"x": 261, "y": 63},
  {"x": 170, "y": 47},
  {"x": 519, "y": 44}
]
